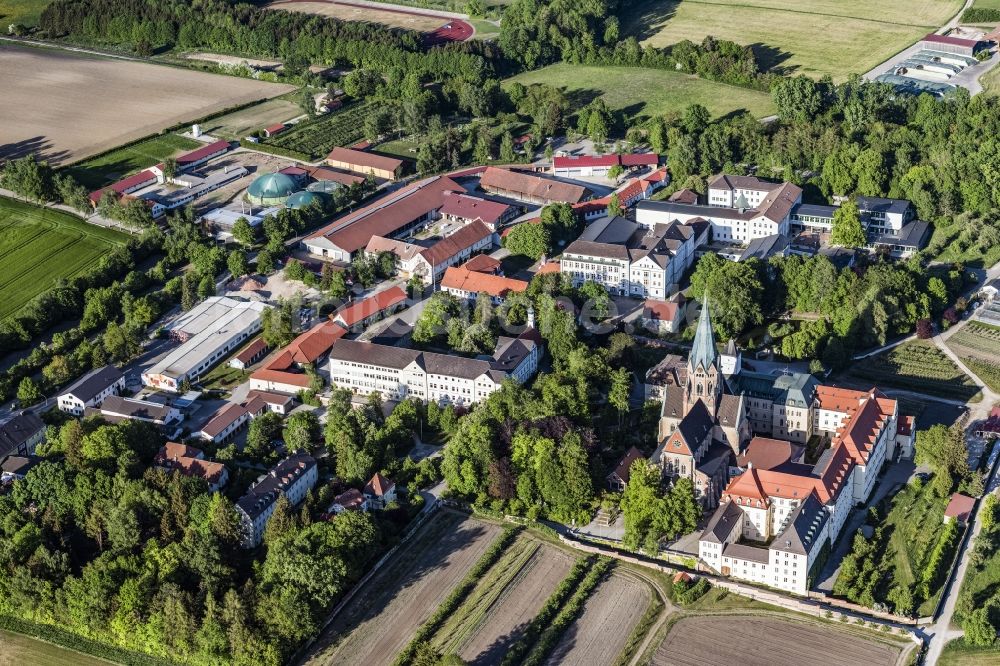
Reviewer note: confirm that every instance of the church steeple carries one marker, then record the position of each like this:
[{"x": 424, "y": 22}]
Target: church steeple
[
  {"x": 704, "y": 378},
  {"x": 703, "y": 351}
]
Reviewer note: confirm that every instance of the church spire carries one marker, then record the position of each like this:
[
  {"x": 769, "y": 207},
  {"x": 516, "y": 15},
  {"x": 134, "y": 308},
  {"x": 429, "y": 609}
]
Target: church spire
[{"x": 703, "y": 351}]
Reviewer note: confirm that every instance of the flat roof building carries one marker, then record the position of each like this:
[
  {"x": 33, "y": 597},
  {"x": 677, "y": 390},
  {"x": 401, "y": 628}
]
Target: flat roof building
[{"x": 211, "y": 330}]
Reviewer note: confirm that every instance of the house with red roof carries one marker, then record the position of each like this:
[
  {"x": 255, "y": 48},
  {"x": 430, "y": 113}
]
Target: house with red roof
[
  {"x": 272, "y": 130},
  {"x": 286, "y": 371},
  {"x": 190, "y": 461},
  {"x": 664, "y": 316},
  {"x": 959, "y": 509},
  {"x": 350, "y": 500},
  {"x": 467, "y": 285},
  {"x": 379, "y": 491}
]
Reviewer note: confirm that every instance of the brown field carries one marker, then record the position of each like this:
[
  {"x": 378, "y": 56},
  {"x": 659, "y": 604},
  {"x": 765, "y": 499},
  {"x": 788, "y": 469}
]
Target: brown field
[
  {"x": 598, "y": 636},
  {"x": 766, "y": 641},
  {"x": 67, "y": 106},
  {"x": 501, "y": 623},
  {"x": 379, "y": 621},
  {"x": 416, "y": 22}
]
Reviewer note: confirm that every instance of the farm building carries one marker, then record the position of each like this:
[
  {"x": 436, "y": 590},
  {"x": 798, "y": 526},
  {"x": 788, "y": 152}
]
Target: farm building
[
  {"x": 528, "y": 187},
  {"x": 359, "y": 161},
  {"x": 274, "y": 129},
  {"x": 957, "y": 45},
  {"x": 271, "y": 189},
  {"x": 359, "y": 315},
  {"x": 211, "y": 330},
  {"x": 396, "y": 215},
  {"x": 303, "y": 199},
  {"x": 464, "y": 208},
  {"x": 125, "y": 185},
  {"x": 599, "y": 165},
  {"x": 321, "y": 173}
]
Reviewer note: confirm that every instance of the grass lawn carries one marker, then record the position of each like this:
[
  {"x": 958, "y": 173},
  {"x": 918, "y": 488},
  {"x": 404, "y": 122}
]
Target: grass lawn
[
  {"x": 991, "y": 81},
  {"x": 405, "y": 148},
  {"x": 915, "y": 366},
  {"x": 38, "y": 246},
  {"x": 484, "y": 29},
  {"x": 646, "y": 92},
  {"x": 915, "y": 522},
  {"x": 944, "y": 244},
  {"x": 814, "y": 37},
  {"x": 957, "y": 653},
  {"x": 25, "y": 12},
  {"x": 240, "y": 123},
  {"x": 107, "y": 168},
  {"x": 223, "y": 377}
]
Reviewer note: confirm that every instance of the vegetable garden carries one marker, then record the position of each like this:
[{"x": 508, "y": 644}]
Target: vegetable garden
[{"x": 317, "y": 137}]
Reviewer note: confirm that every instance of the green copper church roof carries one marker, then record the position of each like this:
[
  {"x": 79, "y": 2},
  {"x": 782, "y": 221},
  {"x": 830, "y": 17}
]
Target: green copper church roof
[{"x": 703, "y": 351}]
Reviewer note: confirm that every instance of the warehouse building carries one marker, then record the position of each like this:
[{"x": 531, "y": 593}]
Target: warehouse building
[
  {"x": 209, "y": 332},
  {"x": 358, "y": 161}
]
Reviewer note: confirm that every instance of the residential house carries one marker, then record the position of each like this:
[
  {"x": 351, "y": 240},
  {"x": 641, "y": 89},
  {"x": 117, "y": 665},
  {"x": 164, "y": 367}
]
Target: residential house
[
  {"x": 190, "y": 461},
  {"x": 226, "y": 422},
  {"x": 618, "y": 478},
  {"x": 21, "y": 434},
  {"x": 293, "y": 477},
  {"x": 664, "y": 317},
  {"x": 91, "y": 389},
  {"x": 15, "y": 468},
  {"x": 350, "y": 500},
  {"x": 379, "y": 492}
]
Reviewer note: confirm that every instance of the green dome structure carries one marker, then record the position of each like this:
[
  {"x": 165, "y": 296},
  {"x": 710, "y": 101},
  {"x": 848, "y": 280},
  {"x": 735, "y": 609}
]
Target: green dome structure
[
  {"x": 302, "y": 199},
  {"x": 271, "y": 189},
  {"x": 324, "y": 187}
]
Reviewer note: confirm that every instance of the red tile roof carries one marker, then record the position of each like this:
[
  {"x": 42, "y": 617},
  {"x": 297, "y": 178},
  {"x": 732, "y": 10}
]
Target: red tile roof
[
  {"x": 463, "y": 239},
  {"x": 271, "y": 398},
  {"x": 640, "y": 159},
  {"x": 315, "y": 342},
  {"x": 468, "y": 207},
  {"x": 363, "y": 160},
  {"x": 202, "y": 153},
  {"x": 172, "y": 450},
  {"x": 388, "y": 214},
  {"x": 660, "y": 310},
  {"x": 748, "y": 487},
  {"x": 960, "y": 507},
  {"x": 299, "y": 379},
  {"x": 293, "y": 171},
  {"x": 765, "y": 453},
  {"x": 383, "y": 300},
  {"x": 954, "y": 41},
  {"x": 275, "y": 128},
  {"x": 571, "y": 161},
  {"x": 326, "y": 173},
  {"x": 247, "y": 354},
  {"x": 624, "y": 469},
  {"x": 351, "y": 499},
  {"x": 462, "y": 279},
  {"x": 482, "y": 263},
  {"x": 125, "y": 185},
  {"x": 379, "y": 486},
  {"x": 548, "y": 267}
]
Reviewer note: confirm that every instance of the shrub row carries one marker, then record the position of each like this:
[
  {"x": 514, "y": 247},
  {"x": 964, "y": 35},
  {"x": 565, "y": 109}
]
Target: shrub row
[
  {"x": 457, "y": 596},
  {"x": 980, "y": 15},
  {"x": 940, "y": 557},
  {"x": 687, "y": 595},
  {"x": 551, "y": 636},
  {"x": 72, "y": 641}
]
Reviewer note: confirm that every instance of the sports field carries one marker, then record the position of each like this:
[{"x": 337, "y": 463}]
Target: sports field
[
  {"x": 647, "y": 92},
  {"x": 38, "y": 246},
  {"x": 814, "y": 37},
  {"x": 125, "y": 161},
  {"x": 66, "y": 106}
]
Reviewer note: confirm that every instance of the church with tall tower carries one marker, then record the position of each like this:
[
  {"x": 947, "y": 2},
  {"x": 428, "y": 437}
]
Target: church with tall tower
[{"x": 703, "y": 423}]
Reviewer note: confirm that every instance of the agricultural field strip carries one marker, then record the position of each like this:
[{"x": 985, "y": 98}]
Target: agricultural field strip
[
  {"x": 695, "y": 641},
  {"x": 599, "y": 634},
  {"x": 783, "y": 7},
  {"x": 377, "y": 624},
  {"x": 319, "y": 136},
  {"x": 492, "y": 588}
]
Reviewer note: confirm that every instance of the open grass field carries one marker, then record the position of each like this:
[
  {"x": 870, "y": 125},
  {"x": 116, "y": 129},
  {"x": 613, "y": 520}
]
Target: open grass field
[
  {"x": 978, "y": 345},
  {"x": 599, "y": 634},
  {"x": 986, "y": 4},
  {"x": 112, "y": 166},
  {"x": 915, "y": 366},
  {"x": 814, "y": 37},
  {"x": 415, "y": 22},
  {"x": 16, "y": 650},
  {"x": 66, "y": 106},
  {"x": 955, "y": 243},
  {"x": 647, "y": 92},
  {"x": 957, "y": 653},
  {"x": 379, "y": 621},
  {"x": 735, "y": 639},
  {"x": 246, "y": 121},
  {"x": 501, "y": 605},
  {"x": 38, "y": 246}
]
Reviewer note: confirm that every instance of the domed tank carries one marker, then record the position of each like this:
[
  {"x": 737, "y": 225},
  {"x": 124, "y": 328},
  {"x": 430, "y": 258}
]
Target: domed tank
[
  {"x": 302, "y": 199},
  {"x": 270, "y": 189},
  {"x": 327, "y": 187}
]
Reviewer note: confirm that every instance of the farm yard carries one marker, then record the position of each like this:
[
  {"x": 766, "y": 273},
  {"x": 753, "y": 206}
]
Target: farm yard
[
  {"x": 395, "y": 19},
  {"x": 51, "y": 96},
  {"x": 816, "y": 37},
  {"x": 914, "y": 366},
  {"x": 379, "y": 621},
  {"x": 649, "y": 91},
  {"x": 978, "y": 345},
  {"x": 599, "y": 634},
  {"x": 39, "y": 246},
  {"x": 736, "y": 639},
  {"x": 106, "y": 168},
  {"x": 318, "y": 137}
]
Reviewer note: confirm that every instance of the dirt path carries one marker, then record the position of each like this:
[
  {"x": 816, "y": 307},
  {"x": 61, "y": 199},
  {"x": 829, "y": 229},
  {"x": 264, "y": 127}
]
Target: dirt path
[
  {"x": 380, "y": 620},
  {"x": 597, "y": 637}
]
